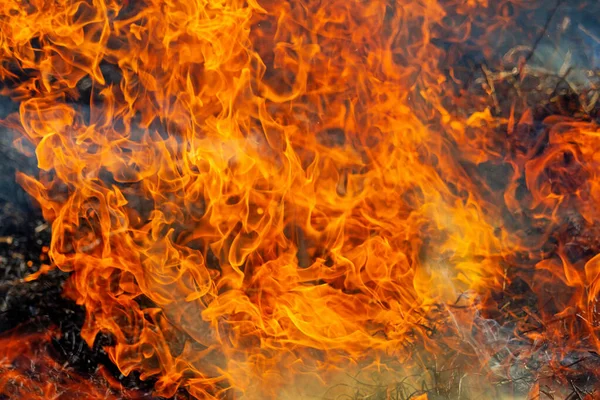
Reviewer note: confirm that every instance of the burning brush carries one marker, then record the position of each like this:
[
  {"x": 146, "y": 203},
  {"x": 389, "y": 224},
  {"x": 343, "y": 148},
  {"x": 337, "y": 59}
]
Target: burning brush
[{"x": 301, "y": 199}]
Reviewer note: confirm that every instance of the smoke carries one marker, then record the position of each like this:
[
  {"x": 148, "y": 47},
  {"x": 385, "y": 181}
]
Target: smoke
[{"x": 13, "y": 160}]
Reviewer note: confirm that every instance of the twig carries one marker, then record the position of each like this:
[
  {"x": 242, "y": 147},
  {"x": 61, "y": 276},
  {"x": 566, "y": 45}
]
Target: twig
[
  {"x": 544, "y": 30},
  {"x": 576, "y": 390},
  {"x": 593, "y": 101},
  {"x": 490, "y": 83},
  {"x": 587, "y": 32},
  {"x": 8, "y": 284},
  {"x": 548, "y": 394},
  {"x": 41, "y": 228},
  {"x": 576, "y": 362}
]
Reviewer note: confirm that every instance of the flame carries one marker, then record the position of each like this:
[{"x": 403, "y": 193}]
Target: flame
[
  {"x": 29, "y": 370},
  {"x": 253, "y": 195}
]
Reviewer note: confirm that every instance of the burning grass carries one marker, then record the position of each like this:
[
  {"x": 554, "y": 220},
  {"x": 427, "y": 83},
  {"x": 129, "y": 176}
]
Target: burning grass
[{"x": 271, "y": 199}]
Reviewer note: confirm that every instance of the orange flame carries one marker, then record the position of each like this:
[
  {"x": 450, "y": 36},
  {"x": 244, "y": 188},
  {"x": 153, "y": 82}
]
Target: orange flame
[
  {"x": 28, "y": 371},
  {"x": 262, "y": 191}
]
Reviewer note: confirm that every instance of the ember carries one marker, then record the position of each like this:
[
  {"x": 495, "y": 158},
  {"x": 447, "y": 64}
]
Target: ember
[{"x": 289, "y": 199}]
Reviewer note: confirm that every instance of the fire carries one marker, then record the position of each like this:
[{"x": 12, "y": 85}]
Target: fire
[
  {"x": 253, "y": 195},
  {"x": 29, "y": 370}
]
